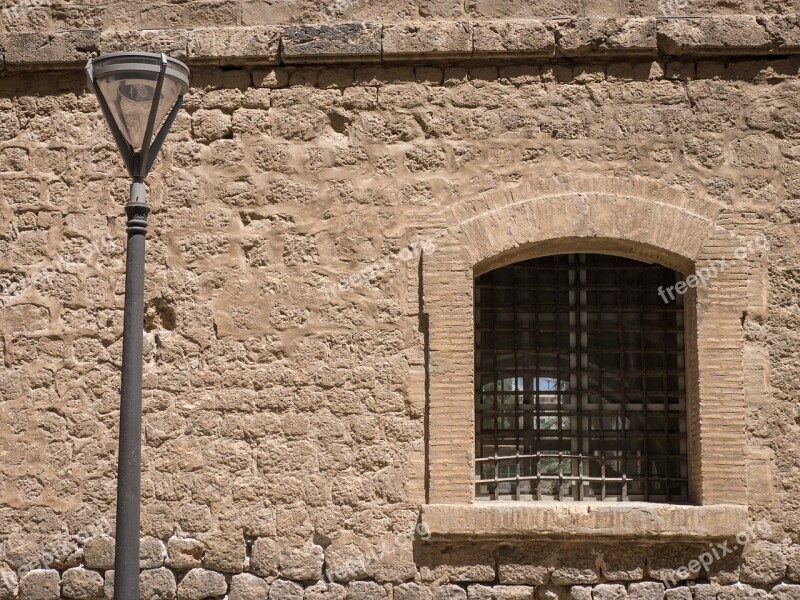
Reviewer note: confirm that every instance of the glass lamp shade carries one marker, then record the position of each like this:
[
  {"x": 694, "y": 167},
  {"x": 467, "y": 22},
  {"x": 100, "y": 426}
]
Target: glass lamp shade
[{"x": 128, "y": 82}]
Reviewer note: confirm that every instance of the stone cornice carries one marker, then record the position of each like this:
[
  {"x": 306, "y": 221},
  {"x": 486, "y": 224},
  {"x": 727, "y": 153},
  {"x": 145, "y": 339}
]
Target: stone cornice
[{"x": 431, "y": 41}]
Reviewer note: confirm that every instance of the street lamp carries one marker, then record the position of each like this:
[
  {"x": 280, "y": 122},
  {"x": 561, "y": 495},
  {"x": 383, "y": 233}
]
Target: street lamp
[{"x": 140, "y": 95}]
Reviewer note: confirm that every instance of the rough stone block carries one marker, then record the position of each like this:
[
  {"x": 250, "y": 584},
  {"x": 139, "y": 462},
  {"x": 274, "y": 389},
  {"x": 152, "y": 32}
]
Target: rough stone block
[
  {"x": 524, "y": 565},
  {"x": 157, "y": 584},
  {"x": 793, "y": 563},
  {"x": 50, "y": 48},
  {"x": 282, "y": 589},
  {"x": 457, "y": 564},
  {"x": 248, "y": 587},
  {"x": 609, "y": 591},
  {"x": 646, "y": 590},
  {"x": 783, "y": 30},
  {"x": 587, "y": 37},
  {"x": 98, "y": 553},
  {"x": 365, "y": 590},
  {"x": 447, "y": 39},
  {"x": 172, "y": 42},
  {"x": 224, "y": 552},
  {"x": 739, "y": 591},
  {"x": 549, "y": 591},
  {"x": 411, "y": 591},
  {"x": 731, "y": 34},
  {"x": 574, "y": 564},
  {"x": 449, "y": 592},
  {"x": 81, "y": 584},
  {"x": 318, "y": 43},
  {"x": 40, "y": 585},
  {"x": 326, "y": 591},
  {"x": 301, "y": 563},
  {"x": 199, "y": 584},
  {"x": 764, "y": 563},
  {"x": 580, "y": 592},
  {"x": 513, "y": 38},
  {"x": 512, "y": 592},
  {"x": 622, "y": 563},
  {"x": 786, "y": 591},
  {"x": 9, "y": 582},
  {"x": 678, "y": 593},
  {"x": 220, "y": 45},
  {"x": 184, "y": 553},
  {"x": 264, "y": 557},
  {"x": 152, "y": 553}
]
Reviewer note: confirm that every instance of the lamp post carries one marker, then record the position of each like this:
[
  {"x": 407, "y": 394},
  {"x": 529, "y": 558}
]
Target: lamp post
[{"x": 140, "y": 95}]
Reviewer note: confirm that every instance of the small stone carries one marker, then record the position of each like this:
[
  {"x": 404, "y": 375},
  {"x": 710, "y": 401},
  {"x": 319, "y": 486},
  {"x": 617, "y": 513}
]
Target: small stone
[
  {"x": 248, "y": 587},
  {"x": 39, "y": 585},
  {"x": 301, "y": 563},
  {"x": 81, "y": 584},
  {"x": 157, "y": 584},
  {"x": 366, "y": 590},
  {"x": 199, "y": 584},
  {"x": 98, "y": 553},
  {"x": 184, "y": 553},
  {"x": 609, "y": 591},
  {"x": 411, "y": 591},
  {"x": 646, "y": 590},
  {"x": 281, "y": 589}
]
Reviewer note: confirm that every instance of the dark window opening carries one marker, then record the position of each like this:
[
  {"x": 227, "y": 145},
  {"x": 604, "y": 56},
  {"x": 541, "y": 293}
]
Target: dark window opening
[{"x": 580, "y": 385}]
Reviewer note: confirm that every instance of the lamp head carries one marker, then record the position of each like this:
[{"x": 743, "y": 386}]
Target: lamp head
[{"x": 139, "y": 94}]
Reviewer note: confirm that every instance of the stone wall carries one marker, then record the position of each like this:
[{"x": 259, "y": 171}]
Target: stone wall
[
  {"x": 285, "y": 415},
  {"x": 58, "y": 15}
]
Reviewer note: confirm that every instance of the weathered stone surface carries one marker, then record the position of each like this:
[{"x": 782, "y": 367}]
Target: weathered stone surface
[
  {"x": 513, "y": 38},
  {"x": 783, "y": 30},
  {"x": 444, "y": 39},
  {"x": 248, "y": 587},
  {"x": 40, "y": 585},
  {"x": 739, "y": 34},
  {"x": 301, "y": 563},
  {"x": 316, "y": 43},
  {"x": 281, "y": 589},
  {"x": 157, "y": 584},
  {"x": 170, "y": 42},
  {"x": 219, "y": 45},
  {"x": 512, "y": 592},
  {"x": 575, "y": 565},
  {"x": 622, "y": 563},
  {"x": 152, "y": 553},
  {"x": 609, "y": 591},
  {"x": 50, "y": 48},
  {"x": 764, "y": 563},
  {"x": 411, "y": 591},
  {"x": 646, "y": 590},
  {"x": 365, "y": 590},
  {"x": 184, "y": 553},
  {"x": 327, "y": 591},
  {"x": 200, "y": 584},
  {"x": 580, "y": 592},
  {"x": 552, "y": 592},
  {"x": 586, "y": 37},
  {"x": 81, "y": 584},
  {"x": 524, "y": 565},
  {"x": 98, "y": 553},
  {"x": 457, "y": 564},
  {"x": 678, "y": 593},
  {"x": 224, "y": 552},
  {"x": 786, "y": 591},
  {"x": 793, "y": 563},
  {"x": 740, "y": 591},
  {"x": 264, "y": 558},
  {"x": 448, "y": 592}
]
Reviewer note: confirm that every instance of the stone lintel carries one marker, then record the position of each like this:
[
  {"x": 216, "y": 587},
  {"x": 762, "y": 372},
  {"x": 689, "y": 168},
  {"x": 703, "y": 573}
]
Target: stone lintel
[
  {"x": 431, "y": 41},
  {"x": 591, "y": 520}
]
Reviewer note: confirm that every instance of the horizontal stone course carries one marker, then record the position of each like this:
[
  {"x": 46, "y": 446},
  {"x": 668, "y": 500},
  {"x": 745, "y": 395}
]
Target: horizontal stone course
[{"x": 364, "y": 42}]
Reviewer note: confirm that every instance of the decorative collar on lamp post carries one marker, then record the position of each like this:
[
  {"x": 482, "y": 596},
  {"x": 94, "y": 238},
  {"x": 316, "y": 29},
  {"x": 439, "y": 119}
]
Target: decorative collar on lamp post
[{"x": 140, "y": 94}]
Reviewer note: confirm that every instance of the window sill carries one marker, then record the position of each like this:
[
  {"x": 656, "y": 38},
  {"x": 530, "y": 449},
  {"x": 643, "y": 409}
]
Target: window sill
[{"x": 554, "y": 520}]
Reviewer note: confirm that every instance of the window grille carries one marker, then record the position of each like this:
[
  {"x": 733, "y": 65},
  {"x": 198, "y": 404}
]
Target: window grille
[{"x": 580, "y": 382}]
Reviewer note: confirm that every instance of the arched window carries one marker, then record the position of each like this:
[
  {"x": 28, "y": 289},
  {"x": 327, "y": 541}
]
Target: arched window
[{"x": 580, "y": 384}]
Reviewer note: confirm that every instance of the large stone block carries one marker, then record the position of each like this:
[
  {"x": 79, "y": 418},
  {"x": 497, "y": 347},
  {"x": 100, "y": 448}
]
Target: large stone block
[
  {"x": 646, "y": 590},
  {"x": 235, "y": 44},
  {"x": 248, "y": 587},
  {"x": 50, "y": 48},
  {"x": 419, "y": 39},
  {"x": 513, "y": 38},
  {"x": 281, "y": 589},
  {"x": 764, "y": 563},
  {"x": 587, "y": 37},
  {"x": 524, "y": 565},
  {"x": 40, "y": 585},
  {"x": 318, "y": 43},
  {"x": 301, "y": 563},
  {"x": 81, "y": 584},
  {"x": 706, "y": 35},
  {"x": 184, "y": 553},
  {"x": 200, "y": 584},
  {"x": 157, "y": 584},
  {"x": 609, "y": 591}
]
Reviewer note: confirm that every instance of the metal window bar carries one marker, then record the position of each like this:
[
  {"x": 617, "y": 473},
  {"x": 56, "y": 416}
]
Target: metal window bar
[{"x": 579, "y": 382}]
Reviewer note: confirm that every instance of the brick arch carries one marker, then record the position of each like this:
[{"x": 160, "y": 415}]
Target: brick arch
[{"x": 607, "y": 216}]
